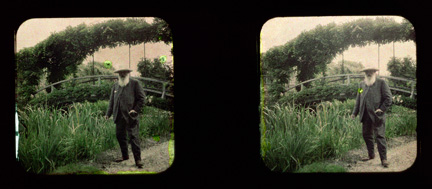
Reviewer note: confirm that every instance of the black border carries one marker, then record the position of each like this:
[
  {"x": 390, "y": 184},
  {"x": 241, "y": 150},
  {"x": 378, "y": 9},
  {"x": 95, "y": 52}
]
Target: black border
[{"x": 216, "y": 66}]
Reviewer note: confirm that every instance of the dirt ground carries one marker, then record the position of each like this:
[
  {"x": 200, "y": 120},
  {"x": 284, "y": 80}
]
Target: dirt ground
[
  {"x": 401, "y": 155},
  {"x": 154, "y": 155}
]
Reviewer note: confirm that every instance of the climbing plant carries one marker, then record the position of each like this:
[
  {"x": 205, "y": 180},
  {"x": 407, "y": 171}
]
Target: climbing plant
[
  {"x": 61, "y": 53},
  {"x": 311, "y": 51}
]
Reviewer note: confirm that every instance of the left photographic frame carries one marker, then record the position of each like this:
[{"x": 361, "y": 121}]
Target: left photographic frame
[{"x": 94, "y": 95}]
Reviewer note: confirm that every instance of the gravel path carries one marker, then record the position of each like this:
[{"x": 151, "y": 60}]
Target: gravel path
[
  {"x": 401, "y": 155},
  {"x": 154, "y": 155}
]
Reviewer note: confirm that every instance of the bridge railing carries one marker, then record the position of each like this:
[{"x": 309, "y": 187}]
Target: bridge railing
[
  {"x": 348, "y": 77},
  {"x": 163, "y": 91}
]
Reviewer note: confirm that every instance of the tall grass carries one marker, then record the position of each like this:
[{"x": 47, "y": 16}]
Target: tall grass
[
  {"x": 53, "y": 137},
  {"x": 401, "y": 121},
  {"x": 294, "y": 136}
]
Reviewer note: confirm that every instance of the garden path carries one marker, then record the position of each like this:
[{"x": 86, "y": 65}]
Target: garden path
[
  {"x": 401, "y": 155},
  {"x": 154, "y": 155}
]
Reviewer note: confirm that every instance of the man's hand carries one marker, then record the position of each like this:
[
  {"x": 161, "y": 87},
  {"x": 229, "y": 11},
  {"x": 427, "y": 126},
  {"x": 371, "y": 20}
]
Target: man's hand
[
  {"x": 106, "y": 117},
  {"x": 379, "y": 112},
  {"x": 133, "y": 113},
  {"x": 353, "y": 116}
]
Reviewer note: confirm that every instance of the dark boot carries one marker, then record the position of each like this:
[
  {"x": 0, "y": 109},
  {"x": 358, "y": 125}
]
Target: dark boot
[
  {"x": 120, "y": 159},
  {"x": 371, "y": 157},
  {"x": 139, "y": 164},
  {"x": 384, "y": 163}
]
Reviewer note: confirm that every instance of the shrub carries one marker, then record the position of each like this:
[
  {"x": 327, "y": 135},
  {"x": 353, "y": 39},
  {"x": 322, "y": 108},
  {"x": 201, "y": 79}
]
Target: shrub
[
  {"x": 318, "y": 94},
  {"x": 401, "y": 121},
  {"x": 294, "y": 136},
  {"x": 405, "y": 101},
  {"x": 80, "y": 93},
  {"x": 87, "y": 92},
  {"x": 321, "y": 167},
  {"x": 297, "y": 136},
  {"x": 52, "y": 137}
]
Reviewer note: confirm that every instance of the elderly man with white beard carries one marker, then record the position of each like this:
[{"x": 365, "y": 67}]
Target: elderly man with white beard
[
  {"x": 126, "y": 101},
  {"x": 373, "y": 100}
]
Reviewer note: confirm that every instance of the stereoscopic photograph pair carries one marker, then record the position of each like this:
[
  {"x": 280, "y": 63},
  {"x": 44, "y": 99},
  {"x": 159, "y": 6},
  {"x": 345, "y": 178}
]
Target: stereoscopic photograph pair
[{"x": 96, "y": 95}]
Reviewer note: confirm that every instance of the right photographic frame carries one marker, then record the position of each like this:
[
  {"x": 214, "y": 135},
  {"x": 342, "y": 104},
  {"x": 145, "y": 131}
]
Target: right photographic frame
[{"x": 338, "y": 94}]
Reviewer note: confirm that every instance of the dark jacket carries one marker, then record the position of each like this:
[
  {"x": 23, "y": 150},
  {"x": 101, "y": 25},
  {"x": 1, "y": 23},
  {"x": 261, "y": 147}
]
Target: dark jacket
[
  {"x": 125, "y": 99},
  {"x": 377, "y": 96}
]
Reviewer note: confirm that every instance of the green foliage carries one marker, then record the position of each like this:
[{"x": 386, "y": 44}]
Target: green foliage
[
  {"x": 349, "y": 67},
  {"x": 99, "y": 69},
  {"x": 321, "y": 167},
  {"x": 28, "y": 74},
  {"x": 155, "y": 69},
  {"x": 294, "y": 136},
  {"x": 69, "y": 95},
  {"x": 401, "y": 121},
  {"x": 297, "y": 136},
  {"x": 404, "y": 101},
  {"x": 318, "y": 94},
  {"x": 405, "y": 68},
  {"x": 277, "y": 67},
  {"x": 62, "y": 52},
  {"x": 87, "y": 92},
  {"x": 154, "y": 122},
  {"x": 157, "y": 102},
  {"x": 52, "y": 138},
  {"x": 310, "y": 52},
  {"x": 77, "y": 168}
]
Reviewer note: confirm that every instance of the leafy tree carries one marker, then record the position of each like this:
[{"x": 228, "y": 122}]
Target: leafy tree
[
  {"x": 277, "y": 69},
  {"x": 349, "y": 67},
  {"x": 155, "y": 69},
  {"x": 27, "y": 74},
  {"x": 99, "y": 69},
  {"x": 405, "y": 68},
  {"x": 62, "y": 52},
  {"x": 310, "y": 52}
]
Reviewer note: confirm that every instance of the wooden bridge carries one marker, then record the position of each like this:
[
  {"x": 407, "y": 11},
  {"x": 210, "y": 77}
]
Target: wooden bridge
[
  {"x": 162, "y": 91},
  {"x": 348, "y": 77}
]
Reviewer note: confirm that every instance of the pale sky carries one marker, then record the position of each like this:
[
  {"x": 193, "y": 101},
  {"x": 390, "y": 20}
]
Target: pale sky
[
  {"x": 33, "y": 31},
  {"x": 280, "y": 30}
]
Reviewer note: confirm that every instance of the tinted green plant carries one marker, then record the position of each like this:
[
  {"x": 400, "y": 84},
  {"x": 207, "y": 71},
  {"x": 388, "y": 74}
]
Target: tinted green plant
[
  {"x": 87, "y": 92},
  {"x": 402, "y": 121},
  {"x": 71, "y": 94},
  {"x": 294, "y": 136},
  {"x": 52, "y": 137},
  {"x": 321, "y": 167},
  {"x": 154, "y": 122},
  {"x": 319, "y": 93}
]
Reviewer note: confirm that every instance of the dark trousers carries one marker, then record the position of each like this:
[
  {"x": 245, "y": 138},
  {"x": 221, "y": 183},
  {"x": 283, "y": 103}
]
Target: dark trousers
[
  {"x": 132, "y": 130},
  {"x": 375, "y": 130}
]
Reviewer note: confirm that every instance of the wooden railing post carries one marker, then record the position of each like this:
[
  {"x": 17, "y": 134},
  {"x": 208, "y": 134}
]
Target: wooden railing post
[
  {"x": 99, "y": 81},
  {"x": 348, "y": 79},
  {"x": 412, "y": 89},
  {"x": 163, "y": 90},
  {"x": 52, "y": 88}
]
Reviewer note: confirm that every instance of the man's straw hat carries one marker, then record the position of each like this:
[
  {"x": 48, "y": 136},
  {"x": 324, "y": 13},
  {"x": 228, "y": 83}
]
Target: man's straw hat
[
  {"x": 369, "y": 68},
  {"x": 123, "y": 69}
]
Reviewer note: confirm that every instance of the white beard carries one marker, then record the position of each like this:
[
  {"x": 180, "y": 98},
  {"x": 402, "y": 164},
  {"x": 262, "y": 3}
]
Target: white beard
[
  {"x": 123, "y": 81},
  {"x": 370, "y": 80}
]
